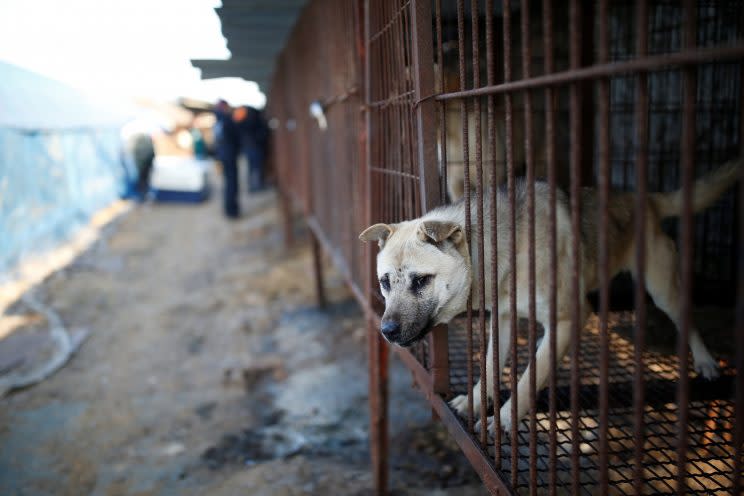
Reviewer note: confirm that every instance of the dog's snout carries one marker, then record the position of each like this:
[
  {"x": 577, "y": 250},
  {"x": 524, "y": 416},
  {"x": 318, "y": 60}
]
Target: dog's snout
[{"x": 390, "y": 329}]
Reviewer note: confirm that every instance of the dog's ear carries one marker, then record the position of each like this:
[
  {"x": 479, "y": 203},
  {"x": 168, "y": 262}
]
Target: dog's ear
[
  {"x": 378, "y": 232},
  {"x": 435, "y": 231}
]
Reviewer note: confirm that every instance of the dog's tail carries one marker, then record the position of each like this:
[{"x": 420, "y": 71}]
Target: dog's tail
[{"x": 705, "y": 192}]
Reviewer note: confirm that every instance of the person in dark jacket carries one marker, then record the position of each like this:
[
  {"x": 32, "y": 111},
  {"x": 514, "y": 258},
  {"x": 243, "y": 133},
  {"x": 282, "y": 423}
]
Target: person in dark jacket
[
  {"x": 143, "y": 153},
  {"x": 227, "y": 146},
  {"x": 254, "y": 134}
]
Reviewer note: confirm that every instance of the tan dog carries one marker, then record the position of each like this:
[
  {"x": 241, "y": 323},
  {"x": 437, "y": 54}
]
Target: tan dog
[{"x": 425, "y": 269}]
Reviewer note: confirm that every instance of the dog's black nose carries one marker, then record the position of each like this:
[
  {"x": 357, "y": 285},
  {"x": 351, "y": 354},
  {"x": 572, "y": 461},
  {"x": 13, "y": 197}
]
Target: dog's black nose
[{"x": 390, "y": 329}]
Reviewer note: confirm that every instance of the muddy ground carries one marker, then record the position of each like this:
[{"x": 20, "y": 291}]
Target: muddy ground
[{"x": 208, "y": 370}]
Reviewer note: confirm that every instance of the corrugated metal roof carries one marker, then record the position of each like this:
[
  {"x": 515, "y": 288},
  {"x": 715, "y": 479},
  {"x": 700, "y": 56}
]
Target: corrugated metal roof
[{"x": 256, "y": 31}]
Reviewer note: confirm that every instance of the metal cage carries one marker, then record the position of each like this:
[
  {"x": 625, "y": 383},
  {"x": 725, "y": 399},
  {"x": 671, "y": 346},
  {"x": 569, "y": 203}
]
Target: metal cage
[{"x": 619, "y": 96}]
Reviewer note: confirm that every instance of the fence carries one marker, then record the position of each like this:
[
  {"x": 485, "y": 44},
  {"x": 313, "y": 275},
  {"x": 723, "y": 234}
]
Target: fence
[{"x": 529, "y": 102}]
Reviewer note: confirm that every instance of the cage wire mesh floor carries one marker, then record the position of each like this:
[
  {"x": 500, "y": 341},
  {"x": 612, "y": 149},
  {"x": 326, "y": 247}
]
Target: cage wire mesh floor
[{"x": 711, "y": 416}]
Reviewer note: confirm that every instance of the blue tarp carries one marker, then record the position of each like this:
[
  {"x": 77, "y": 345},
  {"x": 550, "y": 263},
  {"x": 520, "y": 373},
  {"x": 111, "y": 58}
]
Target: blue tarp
[{"x": 60, "y": 161}]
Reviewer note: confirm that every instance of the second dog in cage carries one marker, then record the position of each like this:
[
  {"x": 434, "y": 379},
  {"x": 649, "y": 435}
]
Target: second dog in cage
[{"x": 425, "y": 269}]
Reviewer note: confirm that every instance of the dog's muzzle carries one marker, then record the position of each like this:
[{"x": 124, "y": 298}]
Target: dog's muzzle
[
  {"x": 393, "y": 333},
  {"x": 390, "y": 330}
]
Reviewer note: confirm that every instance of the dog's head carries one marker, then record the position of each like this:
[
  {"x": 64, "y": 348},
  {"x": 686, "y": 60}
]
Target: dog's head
[{"x": 424, "y": 271}]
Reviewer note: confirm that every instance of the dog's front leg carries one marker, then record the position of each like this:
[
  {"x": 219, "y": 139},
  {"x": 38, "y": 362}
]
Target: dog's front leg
[
  {"x": 460, "y": 403},
  {"x": 542, "y": 364}
]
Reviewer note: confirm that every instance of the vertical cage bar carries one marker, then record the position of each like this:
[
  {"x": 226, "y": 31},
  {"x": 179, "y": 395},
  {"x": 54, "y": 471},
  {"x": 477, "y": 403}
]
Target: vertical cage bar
[
  {"x": 530, "y": 180},
  {"x": 689, "y": 89},
  {"x": 603, "y": 255},
  {"x": 737, "y": 479},
  {"x": 553, "y": 263},
  {"x": 481, "y": 276},
  {"x": 586, "y": 90},
  {"x": 511, "y": 186},
  {"x": 466, "y": 177},
  {"x": 641, "y": 206},
  {"x": 575, "y": 159},
  {"x": 430, "y": 187},
  {"x": 377, "y": 352},
  {"x": 318, "y": 272},
  {"x": 442, "y": 107},
  {"x": 423, "y": 58},
  {"x": 493, "y": 185}
]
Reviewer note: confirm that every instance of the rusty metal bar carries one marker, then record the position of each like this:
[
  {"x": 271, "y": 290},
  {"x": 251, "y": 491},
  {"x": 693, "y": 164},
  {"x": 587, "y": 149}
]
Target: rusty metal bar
[
  {"x": 493, "y": 187},
  {"x": 552, "y": 280},
  {"x": 287, "y": 220},
  {"x": 480, "y": 249},
  {"x": 442, "y": 106},
  {"x": 466, "y": 177},
  {"x": 530, "y": 165},
  {"x": 430, "y": 186},
  {"x": 576, "y": 155},
  {"x": 408, "y": 31},
  {"x": 687, "y": 164},
  {"x": 318, "y": 273},
  {"x": 737, "y": 479},
  {"x": 641, "y": 206},
  {"x": 511, "y": 186},
  {"x": 423, "y": 67},
  {"x": 586, "y": 88},
  {"x": 645, "y": 64},
  {"x": 377, "y": 352},
  {"x": 439, "y": 360},
  {"x": 603, "y": 261}
]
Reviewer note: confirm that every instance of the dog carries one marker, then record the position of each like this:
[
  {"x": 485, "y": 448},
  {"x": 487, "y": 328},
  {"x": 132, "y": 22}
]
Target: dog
[
  {"x": 454, "y": 158},
  {"x": 425, "y": 269}
]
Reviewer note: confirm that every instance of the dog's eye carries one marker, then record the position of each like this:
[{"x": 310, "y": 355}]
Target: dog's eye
[
  {"x": 385, "y": 282},
  {"x": 419, "y": 282}
]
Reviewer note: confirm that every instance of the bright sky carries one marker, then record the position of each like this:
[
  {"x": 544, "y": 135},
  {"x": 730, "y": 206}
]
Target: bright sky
[{"x": 122, "y": 47}]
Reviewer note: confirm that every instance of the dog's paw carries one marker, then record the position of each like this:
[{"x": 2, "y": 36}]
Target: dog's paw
[
  {"x": 460, "y": 405},
  {"x": 489, "y": 425},
  {"x": 504, "y": 424},
  {"x": 707, "y": 368}
]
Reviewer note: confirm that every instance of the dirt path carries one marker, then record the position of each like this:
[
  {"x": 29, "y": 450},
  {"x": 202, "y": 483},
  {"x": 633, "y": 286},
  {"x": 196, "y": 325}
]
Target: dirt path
[{"x": 209, "y": 371}]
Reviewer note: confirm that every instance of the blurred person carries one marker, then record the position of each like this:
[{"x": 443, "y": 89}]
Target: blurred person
[
  {"x": 254, "y": 134},
  {"x": 199, "y": 144},
  {"x": 227, "y": 146},
  {"x": 143, "y": 154}
]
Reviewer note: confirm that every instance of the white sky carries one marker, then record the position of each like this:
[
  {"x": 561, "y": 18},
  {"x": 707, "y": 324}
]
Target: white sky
[{"x": 122, "y": 47}]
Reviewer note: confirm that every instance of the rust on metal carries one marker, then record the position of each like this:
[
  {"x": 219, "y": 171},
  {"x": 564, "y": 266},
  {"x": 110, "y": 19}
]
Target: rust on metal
[
  {"x": 687, "y": 173},
  {"x": 603, "y": 255},
  {"x": 493, "y": 190},
  {"x": 466, "y": 188},
  {"x": 641, "y": 207},
  {"x": 479, "y": 232},
  {"x": 531, "y": 292},
  {"x": 511, "y": 186},
  {"x": 646, "y": 64},
  {"x": 575, "y": 204},
  {"x": 552, "y": 279}
]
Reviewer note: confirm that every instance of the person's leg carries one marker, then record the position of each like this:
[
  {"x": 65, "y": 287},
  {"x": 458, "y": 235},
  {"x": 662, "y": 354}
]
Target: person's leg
[
  {"x": 144, "y": 179},
  {"x": 144, "y": 171},
  {"x": 230, "y": 173},
  {"x": 255, "y": 169}
]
